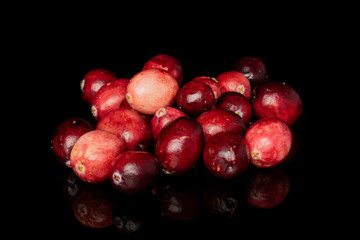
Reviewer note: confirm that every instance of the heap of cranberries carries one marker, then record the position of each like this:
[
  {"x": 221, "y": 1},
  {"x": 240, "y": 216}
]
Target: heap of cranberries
[{"x": 155, "y": 123}]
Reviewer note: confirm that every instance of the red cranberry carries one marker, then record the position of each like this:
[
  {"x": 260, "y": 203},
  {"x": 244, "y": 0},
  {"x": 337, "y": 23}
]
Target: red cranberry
[
  {"x": 220, "y": 120},
  {"x": 179, "y": 145},
  {"x": 109, "y": 97},
  {"x": 234, "y": 81},
  {"x": 162, "y": 116},
  {"x": 275, "y": 99},
  {"x": 212, "y": 82},
  {"x": 168, "y": 63},
  {"x": 195, "y": 98},
  {"x": 93, "y": 206},
  {"x": 93, "y": 155},
  {"x": 65, "y": 136},
  {"x": 267, "y": 188},
  {"x": 93, "y": 81},
  {"x": 129, "y": 126},
  {"x": 237, "y": 103},
  {"x": 226, "y": 155},
  {"x": 134, "y": 171},
  {"x": 253, "y": 68},
  {"x": 151, "y": 89},
  {"x": 269, "y": 140}
]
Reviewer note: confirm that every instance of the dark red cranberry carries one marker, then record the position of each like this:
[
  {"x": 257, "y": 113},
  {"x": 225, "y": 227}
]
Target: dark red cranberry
[
  {"x": 220, "y": 120},
  {"x": 226, "y": 155},
  {"x": 134, "y": 171},
  {"x": 109, "y": 97},
  {"x": 167, "y": 63},
  {"x": 253, "y": 68},
  {"x": 267, "y": 188},
  {"x": 212, "y": 82},
  {"x": 65, "y": 136},
  {"x": 237, "y": 103},
  {"x": 179, "y": 145},
  {"x": 93, "y": 81},
  {"x": 195, "y": 98},
  {"x": 129, "y": 126},
  {"x": 277, "y": 99}
]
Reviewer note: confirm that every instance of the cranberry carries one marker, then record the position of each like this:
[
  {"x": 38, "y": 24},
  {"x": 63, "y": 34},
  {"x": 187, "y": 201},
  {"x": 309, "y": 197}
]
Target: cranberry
[
  {"x": 269, "y": 140},
  {"x": 237, "y": 103},
  {"x": 168, "y": 63},
  {"x": 226, "y": 155},
  {"x": 275, "y": 99},
  {"x": 109, "y": 97},
  {"x": 93, "y": 206},
  {"x": 220, "y": 120},
  {"x": 162, "y": 116},
  {"x": 65, "y": 136},
  {"x": 129, "y": 126},
  {"x": 267, "y": 188},
  {"x": 93, "y": 81},
  {"x": 134, "y": 171},
  {"x": 151, "y": 89},
  {"x": 253, "y": 68},
  {"x": 234, "y": 81},
  {"x": 212, "y": 82},
  {"x": 93, "y": 155},
  {"x": 195, "y": 98},
  {"x": 179, "y": 145}
]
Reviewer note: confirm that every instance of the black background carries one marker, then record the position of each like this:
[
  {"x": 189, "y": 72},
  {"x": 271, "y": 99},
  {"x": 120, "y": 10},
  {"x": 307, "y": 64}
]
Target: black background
[{"x": 64, "y": 53}]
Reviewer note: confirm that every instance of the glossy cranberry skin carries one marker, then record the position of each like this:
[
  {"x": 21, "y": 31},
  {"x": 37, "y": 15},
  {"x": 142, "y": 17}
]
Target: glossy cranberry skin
[
  {"x": 151, "y": 89},
  {"x": 234, "y": 81},
  {"x": 109, "y": 97},
  {"x": 237, "y": 103},
  {"x": 269, "y": 141},
  {"x": 93, "y": 81},
  {"x": 220, "y": 120},
  {"x": 212, "y": 82},
  {"x": 195, "y": 98},
  {"x": 134, "y": 171},
  {"x": 65, "y": 136},
  {"x": 179, "y": 145},
  {"x": 93, "y": 154},
  {"x": 163, "y": 116},
  {"x": 267, "y": 188},
  {"x": 253, "y": 68},
  {"x": 226, "y": 155},
  {"x": 277, "y": 99},
  {"x": 129, "y": 126},
  {"x": 167, "y": 63}
]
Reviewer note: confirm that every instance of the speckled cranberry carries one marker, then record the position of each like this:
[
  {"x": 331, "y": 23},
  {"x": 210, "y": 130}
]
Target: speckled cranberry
[
  {"x": 65, "y": 136},
  {"x": 109, "y": 97},
  {"x": 129, "y": 126},
  {"x": 220, "y": 120},
  {"x": 92, "y": 156},
  {"x": 163, "y": 116},
  {"x": 237, "y": 103},
  {"x": 179, "y": 145},
  {"x": 234, "y": 81},
  {"x": 168, "y": 63},
  {"x": 226, "y": 155},
  {"x": 151, "y": 89},
  {"x": 269, "y": 141},
  {"x": 253, "y": 68},
  {"x": 93, "y": 81},
  {"x": 277, "y": 99},
  {"x": 195, "y": 98},
  {"x": 135, "y": 171}
]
